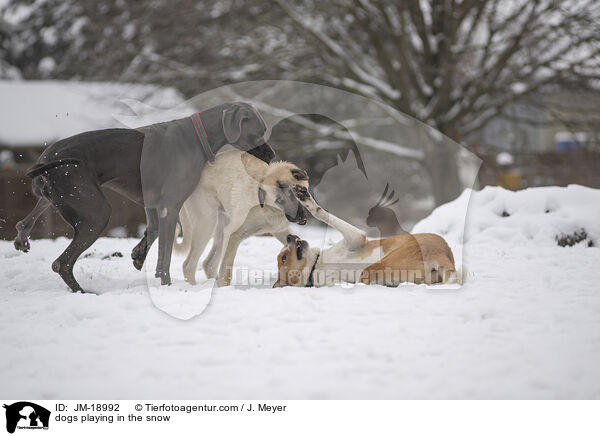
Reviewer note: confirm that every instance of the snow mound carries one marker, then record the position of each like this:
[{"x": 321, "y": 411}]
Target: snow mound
[
  {"x": 524, "y": 325},
  {"x": 534, "y": 216}
]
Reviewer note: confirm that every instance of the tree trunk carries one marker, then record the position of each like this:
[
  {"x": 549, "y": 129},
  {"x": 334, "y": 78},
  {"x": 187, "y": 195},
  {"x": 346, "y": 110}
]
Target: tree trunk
[
  {"x": 441, "y": 164},
  {"x": 443, "y": 173}
]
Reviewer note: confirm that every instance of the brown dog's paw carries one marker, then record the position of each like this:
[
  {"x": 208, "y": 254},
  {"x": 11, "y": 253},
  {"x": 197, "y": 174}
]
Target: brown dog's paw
[{"x": 301, "y": 192}]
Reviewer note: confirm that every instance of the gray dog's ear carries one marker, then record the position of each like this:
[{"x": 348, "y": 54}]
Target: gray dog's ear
[
  {"x": 261, "y": 196},
  {"x": 232, "y": 122},
  {"x": 299, "y": 174}
]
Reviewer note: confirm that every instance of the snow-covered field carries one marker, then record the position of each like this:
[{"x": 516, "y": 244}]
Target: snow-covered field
[{"x": 526, "y": 323}]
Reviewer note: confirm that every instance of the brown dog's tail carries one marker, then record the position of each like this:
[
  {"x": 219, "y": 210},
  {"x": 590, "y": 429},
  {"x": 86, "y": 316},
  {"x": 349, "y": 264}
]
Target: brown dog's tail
[
  {"x": 183, "y": 226},
  {"x": 38, "y": 169}
]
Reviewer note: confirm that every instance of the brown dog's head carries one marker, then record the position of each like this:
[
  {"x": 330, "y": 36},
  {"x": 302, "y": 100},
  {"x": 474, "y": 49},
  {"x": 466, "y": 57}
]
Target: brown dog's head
[
  {"x": 276, "y": 186},
  {"x": 295, "y": 262}
]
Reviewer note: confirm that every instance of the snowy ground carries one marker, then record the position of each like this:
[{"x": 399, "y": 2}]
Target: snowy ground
[{"x": 526, "y": 324}]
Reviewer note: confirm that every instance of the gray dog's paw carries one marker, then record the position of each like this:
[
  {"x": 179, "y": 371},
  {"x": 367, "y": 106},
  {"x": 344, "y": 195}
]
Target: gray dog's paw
[
  {"x": 165, "y": 279},
  {"x": 138, "y": 258},
  {"x": 138, "y": 264},
  {"x": 22, "y": 245}
]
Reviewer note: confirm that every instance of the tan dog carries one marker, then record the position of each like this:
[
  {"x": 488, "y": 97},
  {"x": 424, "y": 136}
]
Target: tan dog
[
  {"x": 420, "y": 258},
  {"x": 237, "y": 197}
]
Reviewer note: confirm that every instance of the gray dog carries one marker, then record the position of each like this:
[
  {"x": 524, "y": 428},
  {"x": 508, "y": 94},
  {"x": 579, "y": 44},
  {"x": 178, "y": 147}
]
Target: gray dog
[{"x": 157, "y": 166}]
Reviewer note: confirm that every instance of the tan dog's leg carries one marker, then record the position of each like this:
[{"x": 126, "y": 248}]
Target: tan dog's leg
[
  {"x": 221, "y": 241},
  {"x": 211, "y": 263},
  {"x": 201, "y": 230},
  {"x": 227, "y": 233},
  {"x": 226, "y": 270}
]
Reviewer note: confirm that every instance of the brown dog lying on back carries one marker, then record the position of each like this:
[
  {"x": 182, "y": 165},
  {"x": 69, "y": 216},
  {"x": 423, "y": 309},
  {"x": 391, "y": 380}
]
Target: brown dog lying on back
[{"x": 419, "y": 258}]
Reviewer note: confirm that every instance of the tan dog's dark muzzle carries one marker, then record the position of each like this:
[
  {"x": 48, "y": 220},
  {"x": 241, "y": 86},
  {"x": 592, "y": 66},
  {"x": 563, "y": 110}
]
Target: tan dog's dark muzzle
[{"x": 264, "y": 151}]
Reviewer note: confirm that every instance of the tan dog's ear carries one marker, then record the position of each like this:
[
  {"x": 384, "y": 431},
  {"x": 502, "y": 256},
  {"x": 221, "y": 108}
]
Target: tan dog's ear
[
  {"x": 261, "y": 196},
  {"x": 255, "y": 167},
  {"x": 299, "y": 174}
]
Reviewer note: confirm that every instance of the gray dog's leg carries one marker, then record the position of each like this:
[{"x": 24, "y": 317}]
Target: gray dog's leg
[
  {"x": 24, "y": 226},
  {"x": 167, "y": 221},
  {"x": 88, "y": 213},
  {"x": 140, "y": 251}
]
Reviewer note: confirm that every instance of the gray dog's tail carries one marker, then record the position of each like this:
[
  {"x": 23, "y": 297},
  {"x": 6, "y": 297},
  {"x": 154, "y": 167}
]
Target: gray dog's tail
[
  {"x": 38, "y": 169},
  {"x": 185, "y": 227}
]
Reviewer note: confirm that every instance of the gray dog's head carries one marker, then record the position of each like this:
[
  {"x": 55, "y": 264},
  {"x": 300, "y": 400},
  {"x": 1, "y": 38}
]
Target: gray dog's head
[{"x": 246, "y": 129}]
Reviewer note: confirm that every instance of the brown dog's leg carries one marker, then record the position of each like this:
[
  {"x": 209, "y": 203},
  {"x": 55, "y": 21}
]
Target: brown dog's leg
[{"x": 404, "y": 264}]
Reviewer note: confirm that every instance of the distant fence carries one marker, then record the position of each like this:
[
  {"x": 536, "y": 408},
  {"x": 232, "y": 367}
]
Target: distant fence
[
  {"x": 535, "y": 169},
  {"x": 17, "y": 200},
  {"x": 543, "y": 169}
]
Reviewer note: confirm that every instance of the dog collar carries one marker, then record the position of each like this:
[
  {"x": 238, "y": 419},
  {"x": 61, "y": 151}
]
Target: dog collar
[
  {"x": 310, "y": 283},
  {"x": 202, "y": 136}
]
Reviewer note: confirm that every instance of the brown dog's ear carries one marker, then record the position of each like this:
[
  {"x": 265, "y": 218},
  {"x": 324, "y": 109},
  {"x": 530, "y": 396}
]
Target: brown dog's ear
[
  {"x": 299, "y": 174},
  {"x": 232, "y": 122},
  {"x": 261, "y": 196}
]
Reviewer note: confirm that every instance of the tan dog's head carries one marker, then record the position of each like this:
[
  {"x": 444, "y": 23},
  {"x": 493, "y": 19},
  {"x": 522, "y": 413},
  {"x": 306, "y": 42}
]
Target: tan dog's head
[
  {"x": 295, "y": 262},
  {"x": 276, "y": 186}
]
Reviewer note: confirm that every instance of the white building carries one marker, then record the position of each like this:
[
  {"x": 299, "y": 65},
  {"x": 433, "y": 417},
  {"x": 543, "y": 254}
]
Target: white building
[{"x": 38, "y": 113}]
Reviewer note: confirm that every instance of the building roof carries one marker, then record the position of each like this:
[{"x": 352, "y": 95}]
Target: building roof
[{"x": 36, "y": 113}]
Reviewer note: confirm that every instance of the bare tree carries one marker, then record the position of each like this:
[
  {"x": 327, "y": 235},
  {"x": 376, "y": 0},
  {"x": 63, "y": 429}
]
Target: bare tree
[
  {"x": 194, "y": 46},
  {"x": 452, "y": 64}
]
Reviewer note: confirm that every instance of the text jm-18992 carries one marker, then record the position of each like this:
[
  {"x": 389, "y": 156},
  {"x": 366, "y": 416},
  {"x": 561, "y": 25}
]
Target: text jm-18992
[{"x": 93, "y": 407}]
